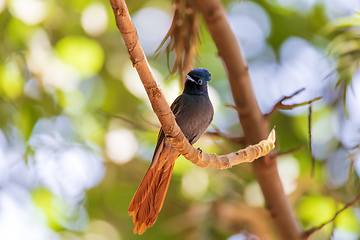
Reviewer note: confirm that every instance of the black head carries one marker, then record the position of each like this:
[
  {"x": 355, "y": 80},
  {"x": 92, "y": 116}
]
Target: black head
[
  {"x": 199, "y": 76},
  {"x": 196, "y": 81}
]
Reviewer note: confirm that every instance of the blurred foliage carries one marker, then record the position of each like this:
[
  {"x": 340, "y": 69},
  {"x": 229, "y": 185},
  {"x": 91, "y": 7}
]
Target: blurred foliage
[
  {"x": 183, "y": 35},
  {"x": 345, "y": 46},
  {"x": 63, "y": 87}
]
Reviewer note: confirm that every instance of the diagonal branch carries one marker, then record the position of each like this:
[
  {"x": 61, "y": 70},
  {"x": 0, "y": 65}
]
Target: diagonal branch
[
  {"x": 308, "y": 233},
  {"x": 254, "y": 124},
  {"x": 280, "y": 105},
  {"x": 290, "y": 151},
  {"x": 163, "y": 111},
  {"x": 292, "y": 106}
]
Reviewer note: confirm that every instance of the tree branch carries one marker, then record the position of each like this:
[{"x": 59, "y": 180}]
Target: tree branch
[
  {"x": 218, "y": 133},
  {"x": 254, "y": 125},
  {"x": 290, "y": 151},
  {"x": 310, "y": 142},
  {"x": 280, "y": 105},
  {"x": 308, "y": 233},
  {"x": 163, "y": 111}
]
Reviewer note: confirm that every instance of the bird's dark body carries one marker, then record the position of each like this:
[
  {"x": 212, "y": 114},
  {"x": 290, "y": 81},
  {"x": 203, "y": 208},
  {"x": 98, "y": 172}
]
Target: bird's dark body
[{"x": 193, "y": 113}]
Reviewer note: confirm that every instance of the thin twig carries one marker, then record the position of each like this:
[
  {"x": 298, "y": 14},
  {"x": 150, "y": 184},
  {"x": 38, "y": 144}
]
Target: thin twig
[
  {"x": 310, "y": 142},
  {"x": 280, "y": 105},
  {"x": 308, "y": 233},
  {"x": 124, "y": 119},
  {"x": 291, "y": 151},
  {"x": 218, "y": 133},
  {"x": 292, "y": 106},
  {"x": 238, "y": 109},
  {"x": 236, "y": 140}
]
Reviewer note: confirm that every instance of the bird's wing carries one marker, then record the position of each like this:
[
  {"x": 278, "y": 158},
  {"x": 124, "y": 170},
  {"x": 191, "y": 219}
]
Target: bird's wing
[{"x": 175, "y": 106}]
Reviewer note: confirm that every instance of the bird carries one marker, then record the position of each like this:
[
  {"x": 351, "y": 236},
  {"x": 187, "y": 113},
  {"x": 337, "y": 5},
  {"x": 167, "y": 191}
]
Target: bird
[{"x": 193, "y": 112}]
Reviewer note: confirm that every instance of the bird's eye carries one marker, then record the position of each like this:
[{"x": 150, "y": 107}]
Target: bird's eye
[{"x": 200, "y": 81}]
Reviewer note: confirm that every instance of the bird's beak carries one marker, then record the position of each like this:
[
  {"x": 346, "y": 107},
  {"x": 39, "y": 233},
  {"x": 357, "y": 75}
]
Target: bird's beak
[{"x": 190, "y": 78}]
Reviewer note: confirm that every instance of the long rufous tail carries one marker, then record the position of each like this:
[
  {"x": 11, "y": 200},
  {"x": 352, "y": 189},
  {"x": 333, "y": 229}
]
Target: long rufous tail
[{"x": 149, "y": 197}]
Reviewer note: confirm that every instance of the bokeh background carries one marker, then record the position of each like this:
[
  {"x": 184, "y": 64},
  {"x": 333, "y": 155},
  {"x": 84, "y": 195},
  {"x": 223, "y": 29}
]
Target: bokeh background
[{"x": 77, "y": 131}]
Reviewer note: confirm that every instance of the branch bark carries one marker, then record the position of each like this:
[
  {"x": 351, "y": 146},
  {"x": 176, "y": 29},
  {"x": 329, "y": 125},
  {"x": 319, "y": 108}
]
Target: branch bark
[
  {"x": 254, "y": 124},
  {"x": 163, "y": 111}
]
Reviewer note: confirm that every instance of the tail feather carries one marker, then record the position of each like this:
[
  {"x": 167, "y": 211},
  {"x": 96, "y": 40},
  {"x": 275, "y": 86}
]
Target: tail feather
[
  {"x": 142, "y": 191},
  {"x": 160, "y": 194},
  {"x": 149, "y": 198}
]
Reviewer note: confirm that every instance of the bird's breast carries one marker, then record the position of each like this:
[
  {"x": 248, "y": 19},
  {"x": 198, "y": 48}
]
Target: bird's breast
[{"x": 194, "y": 116}]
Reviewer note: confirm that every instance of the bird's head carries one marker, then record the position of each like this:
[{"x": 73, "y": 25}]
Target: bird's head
[
  {"x": 196, "y": 81},
  {"x": 199, "y": 76}
]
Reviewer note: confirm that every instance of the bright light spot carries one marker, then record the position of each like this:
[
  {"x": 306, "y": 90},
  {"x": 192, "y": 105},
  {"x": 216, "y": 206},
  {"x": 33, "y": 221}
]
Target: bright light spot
[
  {"x": 195, "y": 183},
  {"x": 182, "y": 165},
  {"x": 30, "y": 12},
  {"x": 340, "y": 234},
  {"x": 253, "y": 195},
  {"x": 249, "y": 35},
  {"x": 53, "y": 71},
  {"x": 323, "y": 136},
  {"x": 67, "y": 171},
  {"x": 214, "y": 97},
  {"x": 2, "y": 5},
  {"x": 90, "y": 129},
  {"x": 11, "y": 80},
  {"x": 73, "y": 102},
  {"x": 336, "y": 9},
  {"x": 302, "y": 66},
  {"x": 289, "y": 171},
  {"x": 40, "y": 51},
  {"x": 84, "y": 54},
  {"x": 32, "y": 89},
  {"x": 152, "y": 24},
  {"x": 357, "y": 164},
  {"x": 61, "y": 76},
  {"x": 251, "y": 25},
  {"x": 19, "y": 217},
  {"x": 92, "y": 236},
  {"x": 12, "y": 165},
  {"x": 133, "y": 84},
  {"x": 348, "y": 127},
  {"x": 353, "y": 99},
  {"x": 102, "y": 229},
  {"x": 94, "y": 19},
  {"x": 253, "y": 10},
  {"x": 121, "y": 145},
  {"x": 338, "y": 166},
  {"x": 70, "y": 213},
  {"x": 3, "y": 167},
  {"x": 266, "y": 89},
  {"x": 243, "y": 236}
]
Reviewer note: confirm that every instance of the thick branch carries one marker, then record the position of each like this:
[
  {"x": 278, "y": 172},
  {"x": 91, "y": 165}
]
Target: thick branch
[
  {"x": 163, "y": 111},
  {"x": 254, "y": 125}
]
